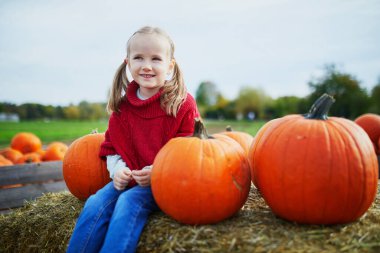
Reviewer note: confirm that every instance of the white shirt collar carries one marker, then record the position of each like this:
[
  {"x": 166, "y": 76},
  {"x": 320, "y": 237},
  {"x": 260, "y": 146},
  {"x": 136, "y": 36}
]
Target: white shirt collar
[{"x": 139, "y": 95}]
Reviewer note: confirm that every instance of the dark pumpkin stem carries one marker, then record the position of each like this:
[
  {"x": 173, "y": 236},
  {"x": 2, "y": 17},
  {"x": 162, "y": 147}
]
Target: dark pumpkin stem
[
  {"x": 320, "y": 108},
  {"x": 228, "y": 128},
  {"x": 200, "y": 130}
]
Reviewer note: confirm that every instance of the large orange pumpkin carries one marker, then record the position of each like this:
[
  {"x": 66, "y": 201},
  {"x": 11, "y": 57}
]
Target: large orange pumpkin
[
  {"x": 55, "y": 151},
  {"x": 83, "y": 170},
  {"x": 11, "y": 154},
  {"x": 313, "y": 169},
  {"x": 26, "y": 142},
  {"x": 370, "y": 122},
  {"x": 244, "y": 139},
  {"x": 251, "y": 151},
  {"x": 4, "y": 161},
  {"x": 200, "y": 179}
]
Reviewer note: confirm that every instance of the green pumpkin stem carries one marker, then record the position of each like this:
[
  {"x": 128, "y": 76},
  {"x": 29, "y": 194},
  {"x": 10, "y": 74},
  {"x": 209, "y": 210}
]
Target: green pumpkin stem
[
  {"x": 228, "y": 128},
  {"x": 200, "y": 130},
  {"x": 320, "y": 108}
]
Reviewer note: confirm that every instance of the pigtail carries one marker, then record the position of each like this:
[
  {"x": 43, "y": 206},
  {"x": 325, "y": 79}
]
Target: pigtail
[
  {"x": 174, "y": 92},
  {"x": 118, "y": 89}
]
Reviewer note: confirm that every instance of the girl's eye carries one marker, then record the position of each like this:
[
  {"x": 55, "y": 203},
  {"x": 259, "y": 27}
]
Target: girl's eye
[
  {"x": 156, "y": 59},
  {"x": 137, "y": 58}
]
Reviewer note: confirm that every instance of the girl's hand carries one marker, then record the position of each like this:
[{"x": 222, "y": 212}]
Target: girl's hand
[
  {"x": 121, "y": 178},
  {"x": 142, "y": 177}
]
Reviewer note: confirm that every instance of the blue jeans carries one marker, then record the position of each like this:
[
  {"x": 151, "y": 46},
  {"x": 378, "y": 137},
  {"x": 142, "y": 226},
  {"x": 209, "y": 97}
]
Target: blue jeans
[{"x": 112, "y": 220}]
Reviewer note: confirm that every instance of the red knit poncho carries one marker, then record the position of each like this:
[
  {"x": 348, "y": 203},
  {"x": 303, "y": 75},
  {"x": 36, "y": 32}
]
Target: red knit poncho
[{"x": 142, "y": 127}]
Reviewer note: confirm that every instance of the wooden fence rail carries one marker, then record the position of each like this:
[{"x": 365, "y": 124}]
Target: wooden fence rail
[{"x": 29, "y": 181}]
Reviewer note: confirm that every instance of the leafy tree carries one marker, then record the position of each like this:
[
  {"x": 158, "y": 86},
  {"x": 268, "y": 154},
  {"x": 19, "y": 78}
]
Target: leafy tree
[
  {"x": 223, "y": 109},
  {"x": 71, "y": 112},
  {"x": 351, "y": 99},
  {"x": 207, "y": 94},
  {"x": 286, "y": 105},
  {"x": 49, "y": 112},
  {"x": 375, "y": 99},
  {"x": 252, "y": 100},
  {"x": 31, "y": 111},
  {"x": 59, "y": 112},
  {"x": 8, "y": 107},
  {"x": 303, "y": 105},
  {"x": 91, "y": 111}
]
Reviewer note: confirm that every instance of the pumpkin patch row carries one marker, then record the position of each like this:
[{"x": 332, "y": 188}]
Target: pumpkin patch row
[
  {"x": 309, "y": 169},
  {"x": 27, "y": 148}
]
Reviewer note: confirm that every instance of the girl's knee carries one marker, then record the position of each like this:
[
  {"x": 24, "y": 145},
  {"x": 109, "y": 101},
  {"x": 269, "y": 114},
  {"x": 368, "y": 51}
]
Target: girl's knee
[
  {"x": 102, "y": 198},
  {"x": 137, "y": 198},
  {"x": 127, "y": 198},
  {"x": 92, "y": 202}
]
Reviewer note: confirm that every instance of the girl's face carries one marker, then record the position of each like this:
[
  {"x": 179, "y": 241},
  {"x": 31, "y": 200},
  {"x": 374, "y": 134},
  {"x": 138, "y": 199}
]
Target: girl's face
[{"x": 149, "y": 62}]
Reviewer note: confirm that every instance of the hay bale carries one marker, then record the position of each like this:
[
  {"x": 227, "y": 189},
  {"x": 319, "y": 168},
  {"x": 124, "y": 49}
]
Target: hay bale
[{"x": 45, "y": 225}]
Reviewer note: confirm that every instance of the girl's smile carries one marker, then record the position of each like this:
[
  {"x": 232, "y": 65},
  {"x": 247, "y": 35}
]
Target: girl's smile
[{"x": 147, "y": 76}]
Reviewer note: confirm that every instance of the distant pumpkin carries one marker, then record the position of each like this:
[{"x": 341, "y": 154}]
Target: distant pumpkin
[
  {"x": 4, "y": 161},
  {"x": 29, "y": 158},
  {"x": 11, "y": 154},
  {"x": 370, "y": 122},
  {"x": 26, "y": 142},
  {"x": 244, "y": 139},
  {"x": 55, "y": 151},
  {"x": 83, "y": 170},
  {"x": 41, "y": 152}
]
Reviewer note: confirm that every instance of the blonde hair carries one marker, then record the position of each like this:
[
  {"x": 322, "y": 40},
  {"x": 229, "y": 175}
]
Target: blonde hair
[{"x": 174, "y": 91}]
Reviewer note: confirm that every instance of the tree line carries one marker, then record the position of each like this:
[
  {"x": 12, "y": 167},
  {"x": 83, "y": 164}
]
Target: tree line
[
  {"x": 352, "y": 100},
  {"x": 32, "y": 111}
]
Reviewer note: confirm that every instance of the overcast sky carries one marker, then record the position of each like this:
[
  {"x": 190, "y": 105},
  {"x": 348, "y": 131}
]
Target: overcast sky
[{"x": 64, "y": 51}]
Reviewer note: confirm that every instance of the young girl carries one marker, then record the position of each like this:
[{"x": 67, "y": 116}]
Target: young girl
[{"x": 146, "y": 114}]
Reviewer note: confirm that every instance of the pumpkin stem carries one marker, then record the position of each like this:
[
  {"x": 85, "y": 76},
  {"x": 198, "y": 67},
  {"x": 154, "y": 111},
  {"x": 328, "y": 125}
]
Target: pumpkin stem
[
  {"x": 320, "y": 108},
  {"x": 228, "y": 128},
  {"x": 200, "y": 130}
]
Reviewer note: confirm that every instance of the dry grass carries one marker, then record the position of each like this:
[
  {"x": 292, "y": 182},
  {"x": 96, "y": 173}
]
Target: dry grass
[{"x": 45, "y": 225}]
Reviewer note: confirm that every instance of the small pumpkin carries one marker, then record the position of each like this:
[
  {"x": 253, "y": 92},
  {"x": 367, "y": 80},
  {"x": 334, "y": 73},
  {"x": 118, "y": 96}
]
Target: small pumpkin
[
  {"x": 83, "y": 170},
  {"x": 29, "y": 158},
  {"x": 41, "y": 152},
  {"x": 244, "y": 139},
  {"x": 4, "y": 161},
  {"x": 26, "y": 142},
  {"x": 11, "y": 154},
  {"x": 200, "y": 179},
  {"x": 313, "y": 169},
  {"x": 370, "y": 122},
  {"x": 55, "y": 151}
]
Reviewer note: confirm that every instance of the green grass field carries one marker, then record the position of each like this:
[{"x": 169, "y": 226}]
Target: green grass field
[{"x": 67, "y": 131}]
